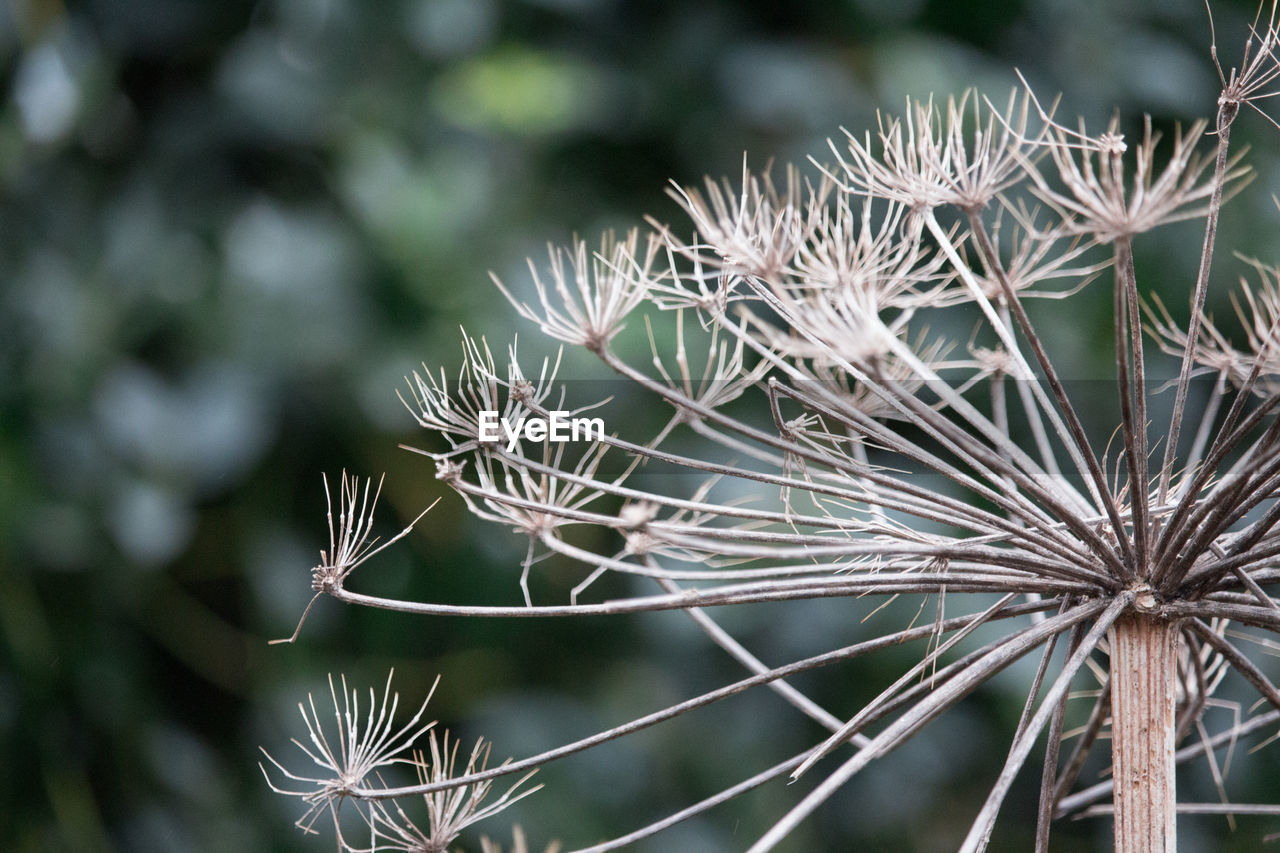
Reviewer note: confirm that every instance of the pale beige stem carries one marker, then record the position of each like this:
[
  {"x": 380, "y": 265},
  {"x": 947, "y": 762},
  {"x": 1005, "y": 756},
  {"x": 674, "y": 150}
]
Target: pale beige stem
[{"x": 1143, "y": 696}]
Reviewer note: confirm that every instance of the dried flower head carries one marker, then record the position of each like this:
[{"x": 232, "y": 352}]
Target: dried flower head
[
  {"x": 754, "y": 231},
  {"x": 593, "y": 292},
  {"x": 449, "y": 810},
  {"x": 1099, "y": 201},
  {"x": 1259, "y": 67},
  {"x": 1254, "y": 368},
  {"x": 349, "y": 542},
  {"x": 480, "y": 389},
  {"x": 351, "y": 755},
  {"x": 925, "y": 161}
]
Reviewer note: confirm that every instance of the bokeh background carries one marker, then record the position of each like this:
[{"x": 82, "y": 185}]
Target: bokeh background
[{"x": 228, "y": 230}]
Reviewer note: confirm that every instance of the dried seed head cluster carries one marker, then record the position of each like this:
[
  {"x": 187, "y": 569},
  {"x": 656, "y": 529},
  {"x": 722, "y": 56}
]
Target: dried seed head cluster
[{"x": 866, "y": 462}]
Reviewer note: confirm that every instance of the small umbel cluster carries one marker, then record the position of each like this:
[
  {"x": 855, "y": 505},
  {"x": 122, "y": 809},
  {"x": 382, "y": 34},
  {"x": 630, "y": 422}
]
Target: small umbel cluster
[{"x": 852, "y": 453}]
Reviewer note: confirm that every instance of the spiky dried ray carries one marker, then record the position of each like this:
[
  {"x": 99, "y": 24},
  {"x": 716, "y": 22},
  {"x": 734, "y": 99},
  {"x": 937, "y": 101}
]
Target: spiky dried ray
[
  {"x": 1226, "y": 116},
  {"x": 1036, "y": 519},
  {"x": 774, "y": 772},
  {"x": 718, "y": 635},
  {"x": 693, "y": 463},
  {"x": 1069, "y": 426},
  {"x": 868, "y": 711},
  {"x": 1066, "y": 780}
]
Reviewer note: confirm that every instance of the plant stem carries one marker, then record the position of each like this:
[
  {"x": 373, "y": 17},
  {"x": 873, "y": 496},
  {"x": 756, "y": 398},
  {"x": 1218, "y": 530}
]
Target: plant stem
[
  {"x": 1226, "y": 115},
  {"x": 1143, "y": 696}
]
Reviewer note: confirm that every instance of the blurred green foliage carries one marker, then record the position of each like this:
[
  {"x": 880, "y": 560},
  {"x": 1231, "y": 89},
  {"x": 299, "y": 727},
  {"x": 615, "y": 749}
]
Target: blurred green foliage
[{"x": 227, "y": 230}]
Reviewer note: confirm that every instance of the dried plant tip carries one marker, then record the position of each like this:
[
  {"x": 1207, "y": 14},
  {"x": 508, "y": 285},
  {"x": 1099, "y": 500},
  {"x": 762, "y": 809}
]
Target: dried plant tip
[
  {"x": 925, "y": 160},
  {"x": 481, "y": 394},
  {"x": 1259, "y": 67},
  {"x": 590, "y": 293},
  {"x": 1098, "y": 199},
  {"x": 450, "y": 810},
  {"x": 349, "y": 542},
  {"x": 349, "y": 756},
  {"x": 755, "y": 230}
]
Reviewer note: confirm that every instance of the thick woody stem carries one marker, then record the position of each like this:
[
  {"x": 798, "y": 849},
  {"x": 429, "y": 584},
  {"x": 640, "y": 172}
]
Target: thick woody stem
[{"x": 1143, "y": 698}]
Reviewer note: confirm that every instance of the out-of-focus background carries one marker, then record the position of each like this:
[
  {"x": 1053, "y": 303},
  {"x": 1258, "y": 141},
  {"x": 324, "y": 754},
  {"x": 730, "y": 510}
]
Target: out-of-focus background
[{"x": 228, "y": 230}]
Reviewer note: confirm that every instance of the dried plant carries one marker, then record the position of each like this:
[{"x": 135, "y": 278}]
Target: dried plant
[
  {"x": 351, "y": 756},
  {"x": 358, "y": 754},
  {"x": 449, "y": 810},
  {"x": 1133, "y": 571}
]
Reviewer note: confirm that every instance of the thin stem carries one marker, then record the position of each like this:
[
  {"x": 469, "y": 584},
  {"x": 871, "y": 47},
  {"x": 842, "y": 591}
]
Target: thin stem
[
  {"x": 787, "y": 447},
  {"x": 697, "y": 808},
  {"x": 1226, "y": 115},
  {"x": 726, "y": 641},
  {"x": 1238, "y": 660},
  {"x": 1133, "y": 401},
  {"x": 1048, "y": 775},
  {"x": 1196, "y": 453},
  {"x": 856, "y": 722}
]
